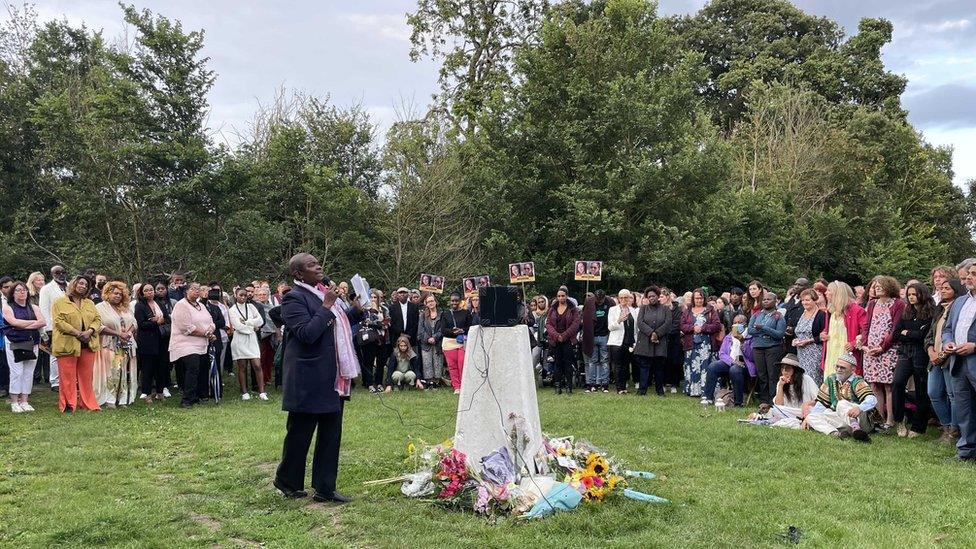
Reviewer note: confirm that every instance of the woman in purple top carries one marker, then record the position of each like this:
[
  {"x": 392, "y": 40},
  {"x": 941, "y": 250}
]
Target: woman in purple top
[{"x": 562, "y": 325}]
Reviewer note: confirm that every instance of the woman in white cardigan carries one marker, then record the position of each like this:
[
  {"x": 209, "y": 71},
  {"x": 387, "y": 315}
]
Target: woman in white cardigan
[
  {"x": 244, "y": 346},
  {"x": 620, "y": 344}
]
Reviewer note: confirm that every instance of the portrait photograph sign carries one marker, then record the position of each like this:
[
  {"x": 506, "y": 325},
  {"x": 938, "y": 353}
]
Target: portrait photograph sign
[
  {"x": 431, "y": 283},
  {"x": 519, "y": 273},
  {"x": 590, "y": 271}
]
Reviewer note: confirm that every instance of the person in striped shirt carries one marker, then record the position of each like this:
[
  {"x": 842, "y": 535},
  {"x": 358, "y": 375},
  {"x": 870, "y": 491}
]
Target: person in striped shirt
[{"x": 843, "y": 403}]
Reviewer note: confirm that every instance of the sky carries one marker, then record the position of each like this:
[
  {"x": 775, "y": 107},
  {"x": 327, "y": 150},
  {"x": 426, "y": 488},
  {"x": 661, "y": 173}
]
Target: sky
[{"x": 357, "y": 52}]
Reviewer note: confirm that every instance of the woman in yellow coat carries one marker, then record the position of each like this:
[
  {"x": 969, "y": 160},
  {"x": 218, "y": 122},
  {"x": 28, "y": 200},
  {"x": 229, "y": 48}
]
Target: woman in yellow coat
[{"x": 74, "y": 342}]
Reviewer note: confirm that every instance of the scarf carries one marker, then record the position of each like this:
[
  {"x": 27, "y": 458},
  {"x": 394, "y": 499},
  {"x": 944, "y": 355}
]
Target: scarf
[{"x": 347, "y": 365}]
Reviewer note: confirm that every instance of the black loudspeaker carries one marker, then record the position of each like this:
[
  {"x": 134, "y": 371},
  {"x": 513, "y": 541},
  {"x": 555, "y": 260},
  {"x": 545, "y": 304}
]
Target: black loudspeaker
[{"x": 499, "y": 305}]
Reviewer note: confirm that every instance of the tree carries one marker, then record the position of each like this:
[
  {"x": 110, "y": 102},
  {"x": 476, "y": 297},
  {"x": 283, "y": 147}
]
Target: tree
[
  {"x": 763, "y": 41},
  {"x": 476, "y": 41},
  {"x": 428, "y": 228}
]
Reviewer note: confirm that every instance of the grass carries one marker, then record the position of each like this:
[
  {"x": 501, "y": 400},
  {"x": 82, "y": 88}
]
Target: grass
[{"x": 161, "y": 476}]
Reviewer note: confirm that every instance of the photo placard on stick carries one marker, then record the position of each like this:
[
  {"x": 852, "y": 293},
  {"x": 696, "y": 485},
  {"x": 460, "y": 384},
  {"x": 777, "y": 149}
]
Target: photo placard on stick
[
  {"x": 590, "y": 271},
  {"x": 519, "y": 273},
  {"x": 473, "y": 283},
  {"x": 431, "y": 283}
]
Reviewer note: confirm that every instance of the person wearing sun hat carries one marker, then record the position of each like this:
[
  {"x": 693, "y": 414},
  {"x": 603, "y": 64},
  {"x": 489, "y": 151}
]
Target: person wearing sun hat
[
  {"x": 796, "y": 393},
  {"x": 843, "y": 403}
]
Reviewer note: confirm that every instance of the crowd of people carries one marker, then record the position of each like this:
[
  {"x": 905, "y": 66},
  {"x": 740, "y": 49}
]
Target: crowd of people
[{"x": 824, "y": 356}]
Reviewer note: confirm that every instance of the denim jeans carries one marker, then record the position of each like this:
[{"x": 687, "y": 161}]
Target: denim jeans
[
  {"x": 941, "y": 394},
  {"x": 597, "y": 364},
  {"x": 736, "y": 373}
]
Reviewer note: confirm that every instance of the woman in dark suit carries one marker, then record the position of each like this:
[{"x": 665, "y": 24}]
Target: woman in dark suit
[
  {"x": 153, "y": 356},
  {"x": 654, "y": 323},
  {"x": 166, "y": 306}
]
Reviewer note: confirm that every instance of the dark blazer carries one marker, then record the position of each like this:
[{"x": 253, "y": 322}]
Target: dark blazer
[
  {"x": 309, "y": 368},
  {"x": 949, "y": 334},
  {"x": 149, "y": 342},
  {"x": 397, "y": 325},
  {"x": 658, "y": 319}
]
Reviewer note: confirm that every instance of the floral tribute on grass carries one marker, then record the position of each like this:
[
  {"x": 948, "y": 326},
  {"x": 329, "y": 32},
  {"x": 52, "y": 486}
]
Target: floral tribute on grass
[{"x": 571, "y": 472}]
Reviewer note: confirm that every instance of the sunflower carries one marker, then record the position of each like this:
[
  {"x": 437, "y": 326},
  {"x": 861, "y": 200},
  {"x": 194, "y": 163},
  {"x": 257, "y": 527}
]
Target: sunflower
[{"x": 597, "y": 464}]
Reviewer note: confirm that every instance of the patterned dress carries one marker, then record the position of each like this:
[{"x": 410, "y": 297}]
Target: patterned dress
[
  {"x": 696, "y": 359},
  {"x": 809, "y": 355},
  {"x": 880, "y": 369}
]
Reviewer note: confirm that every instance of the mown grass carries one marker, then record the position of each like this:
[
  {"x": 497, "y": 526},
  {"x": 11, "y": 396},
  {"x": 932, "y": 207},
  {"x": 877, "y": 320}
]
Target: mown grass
[{"x": 165, "y": 477}]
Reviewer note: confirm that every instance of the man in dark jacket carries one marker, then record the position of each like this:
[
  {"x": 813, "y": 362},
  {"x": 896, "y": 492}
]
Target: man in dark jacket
[
  {"x": 404, "y": 318},
  {"x": 794, "y": 309},
  {"x": 310, "y": 370}
]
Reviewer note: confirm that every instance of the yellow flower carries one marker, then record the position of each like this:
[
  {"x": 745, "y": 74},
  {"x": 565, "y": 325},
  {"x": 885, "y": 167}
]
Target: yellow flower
[
  {"x": 448, "y": 444},
  {"x": 411, "y": 448},
  {"x": 597, "y": 464}
]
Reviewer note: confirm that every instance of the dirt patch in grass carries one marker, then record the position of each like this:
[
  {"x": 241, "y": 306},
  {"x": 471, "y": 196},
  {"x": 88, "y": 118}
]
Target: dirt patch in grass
[
  {"x": 206, "y": 521},
  {"x": 268, "y": 467}
]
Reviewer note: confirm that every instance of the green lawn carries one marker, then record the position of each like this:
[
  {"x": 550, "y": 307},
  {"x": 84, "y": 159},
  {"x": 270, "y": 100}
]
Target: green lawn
[{"x": 166, "y": 477}]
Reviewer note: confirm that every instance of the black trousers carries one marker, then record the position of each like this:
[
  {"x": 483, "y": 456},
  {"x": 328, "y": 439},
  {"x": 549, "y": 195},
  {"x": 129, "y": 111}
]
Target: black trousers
[
  {"x": 4, "y": 372},
  {"x": 152, "y": 373},
  {"x": 373, "y": 367},
  {"x": 767, "y": 371},
  {"x": 325, "y": 460},
  {"x": 621, "y": 360},
  {"x": 42, "y": 371},
  {"x": 655, "y": 365},
  {"x": 912, "y": 363},
  {"x": 564, "y": 363},
  {"x": 189, "y": 385}
]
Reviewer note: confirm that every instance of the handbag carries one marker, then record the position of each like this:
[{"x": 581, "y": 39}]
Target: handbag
[{"x": 23, "y": 351}]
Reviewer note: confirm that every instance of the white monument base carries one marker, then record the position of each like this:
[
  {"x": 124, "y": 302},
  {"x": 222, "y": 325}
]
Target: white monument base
[{"x": 498, "y": 405}]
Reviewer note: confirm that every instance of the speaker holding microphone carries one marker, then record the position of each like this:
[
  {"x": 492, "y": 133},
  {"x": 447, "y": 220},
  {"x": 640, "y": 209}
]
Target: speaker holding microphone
[{"x": 499, "y": 305}]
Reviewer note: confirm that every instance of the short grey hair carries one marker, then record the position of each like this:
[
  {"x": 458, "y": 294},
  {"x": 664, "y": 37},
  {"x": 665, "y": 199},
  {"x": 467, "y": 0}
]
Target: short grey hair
[{"x": 966, "y": 263}]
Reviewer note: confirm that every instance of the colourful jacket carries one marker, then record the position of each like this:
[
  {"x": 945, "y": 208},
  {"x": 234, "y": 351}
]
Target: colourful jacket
[
  {"x": 855, "y": 390},
  {"x": 68, "y": 319}
]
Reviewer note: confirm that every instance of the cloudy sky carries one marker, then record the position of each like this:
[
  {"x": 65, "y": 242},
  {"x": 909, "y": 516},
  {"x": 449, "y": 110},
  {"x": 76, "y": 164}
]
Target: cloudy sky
[{"x": 357, "y": 52}]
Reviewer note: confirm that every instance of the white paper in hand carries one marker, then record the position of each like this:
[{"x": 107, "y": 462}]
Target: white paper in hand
[{"x": 361, "y": 287}]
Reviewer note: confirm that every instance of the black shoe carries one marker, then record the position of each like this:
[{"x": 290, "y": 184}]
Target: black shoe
[
  {"x": 55, "y": 388},
  {"x": 186, "y": 405},
  {"x": 843, "y": 434},
  {"x": 294, "y": 494},
  {"x": 559, "y": 389},
  {"x": 861, "y": 435},
  {"x": 959, "y": 459},
  {"x": 335, "y": 497}
]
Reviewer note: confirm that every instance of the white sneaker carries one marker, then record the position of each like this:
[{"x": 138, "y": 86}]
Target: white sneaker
[
  {"x": 263, "y": 396},
  {"x": 26, "y": 407},
  {"x": 246, "y": 396},
  {"x": 674, "y": 390},
  {"x": 457, "y": 391},
  {"x": 166, "y": 393},
  {"x": 16, "y": 408},
  {"x": 143, "y": 396}
]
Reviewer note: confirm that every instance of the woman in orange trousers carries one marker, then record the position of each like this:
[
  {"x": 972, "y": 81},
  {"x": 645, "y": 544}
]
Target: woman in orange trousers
[{"x": 74, "y": 341}]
